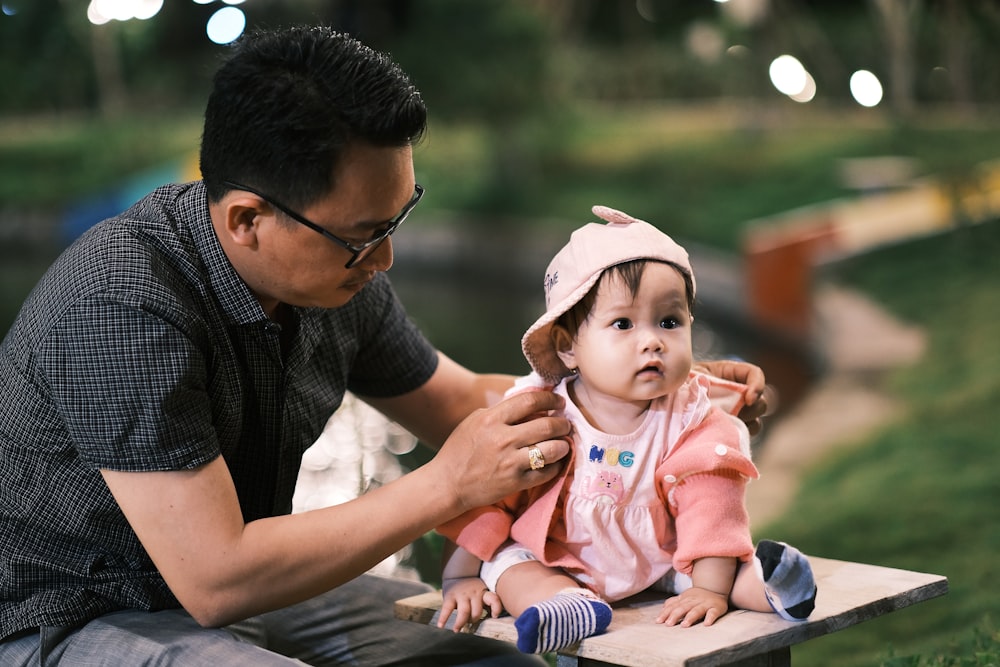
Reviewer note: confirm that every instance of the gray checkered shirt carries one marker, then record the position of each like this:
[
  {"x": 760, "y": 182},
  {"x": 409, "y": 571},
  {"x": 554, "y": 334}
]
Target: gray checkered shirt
[{"x": 141, "y": 349}]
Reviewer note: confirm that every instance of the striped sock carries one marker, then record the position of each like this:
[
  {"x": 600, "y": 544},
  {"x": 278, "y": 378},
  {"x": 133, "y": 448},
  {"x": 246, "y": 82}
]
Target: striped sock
[
  {"x": 573, "y": 614},
  {"x": 788, "y": 580}
]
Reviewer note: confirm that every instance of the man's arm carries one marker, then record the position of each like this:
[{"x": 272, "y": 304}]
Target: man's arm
[
  {"x": 223, "y": 570},
  {"x": 454, "y": 392}
]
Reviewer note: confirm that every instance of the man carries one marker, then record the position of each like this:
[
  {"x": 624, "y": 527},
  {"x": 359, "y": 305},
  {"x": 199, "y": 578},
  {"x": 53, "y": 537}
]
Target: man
[{"x": 165, "y": 376}]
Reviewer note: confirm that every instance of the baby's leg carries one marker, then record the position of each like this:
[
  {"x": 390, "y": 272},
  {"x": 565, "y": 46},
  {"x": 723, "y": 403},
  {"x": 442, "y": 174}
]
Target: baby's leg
[
  {"x": 530, "y": 582},
  {"x": 552, "y": 610},
  {"x": 778, "y": 579}
]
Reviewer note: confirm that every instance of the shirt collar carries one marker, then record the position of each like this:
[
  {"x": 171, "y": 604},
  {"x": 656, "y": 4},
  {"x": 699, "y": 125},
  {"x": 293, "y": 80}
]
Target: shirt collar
[{"x": 233, "y": 294}]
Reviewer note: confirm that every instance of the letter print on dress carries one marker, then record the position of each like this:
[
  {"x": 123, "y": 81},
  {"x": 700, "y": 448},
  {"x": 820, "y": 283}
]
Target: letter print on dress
[{"x": 600, "y": 482}]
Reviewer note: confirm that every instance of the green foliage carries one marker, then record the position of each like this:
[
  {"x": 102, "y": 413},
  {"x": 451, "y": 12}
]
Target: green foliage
[
  {"x": 495, "y": 56},
  {"x": 489, "y": 64},
  {"x": 46, "y": 65},
  {"x": 488, "y": 61}
]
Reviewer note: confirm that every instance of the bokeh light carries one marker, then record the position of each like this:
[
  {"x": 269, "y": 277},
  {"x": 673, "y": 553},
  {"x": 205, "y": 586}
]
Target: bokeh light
[
  {"x": 226, "y": 25},
  {"x": 788, "y": 75},
  {"x": 866, "y": 88},
  {"x": 100, "y": 12},
  {"x": 808, "y": 91},
  {"x": 95, "y": 16},
  {"x": 146, "y": 9}
]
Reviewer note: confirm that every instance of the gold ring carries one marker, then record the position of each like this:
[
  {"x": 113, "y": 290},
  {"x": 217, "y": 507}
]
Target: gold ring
[{"x": 535, "y": 458}]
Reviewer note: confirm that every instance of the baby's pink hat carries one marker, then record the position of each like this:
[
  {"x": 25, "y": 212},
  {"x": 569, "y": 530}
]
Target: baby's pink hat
[{"x": 576, "y": 268}]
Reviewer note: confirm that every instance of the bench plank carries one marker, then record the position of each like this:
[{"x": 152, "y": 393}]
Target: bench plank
[{"x": 849, "y": 593}]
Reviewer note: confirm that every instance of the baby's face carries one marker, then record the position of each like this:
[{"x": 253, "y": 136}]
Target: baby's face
[{"x": 636, "y": 349}]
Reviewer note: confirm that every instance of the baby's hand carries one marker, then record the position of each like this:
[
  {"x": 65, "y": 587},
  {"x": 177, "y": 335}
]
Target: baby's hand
[
  {"x": 692, "y": 606},
  {"x": 467, "y": 596}
]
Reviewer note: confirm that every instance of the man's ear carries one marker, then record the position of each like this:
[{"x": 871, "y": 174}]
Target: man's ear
[
  {"x": 563, "y": 343},
  {"x": 242, "y": 216}
]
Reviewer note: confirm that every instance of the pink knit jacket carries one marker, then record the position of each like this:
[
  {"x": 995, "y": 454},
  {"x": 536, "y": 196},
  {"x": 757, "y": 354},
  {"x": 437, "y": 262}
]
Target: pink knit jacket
[{"x": 702, "y": 482}]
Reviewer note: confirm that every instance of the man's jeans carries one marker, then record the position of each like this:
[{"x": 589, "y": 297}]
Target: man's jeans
[{"x": 351, "y": 625}]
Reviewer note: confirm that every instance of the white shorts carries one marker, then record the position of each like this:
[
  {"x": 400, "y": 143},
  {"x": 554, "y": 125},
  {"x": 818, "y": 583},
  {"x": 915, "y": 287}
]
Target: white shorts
[
  {"x": 512, "y": 553},
  {"x": 509, "y": 555}
]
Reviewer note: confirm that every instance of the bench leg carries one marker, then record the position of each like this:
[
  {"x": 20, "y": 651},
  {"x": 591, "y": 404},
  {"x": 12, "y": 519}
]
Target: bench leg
[{"x": 779, "y": 657}]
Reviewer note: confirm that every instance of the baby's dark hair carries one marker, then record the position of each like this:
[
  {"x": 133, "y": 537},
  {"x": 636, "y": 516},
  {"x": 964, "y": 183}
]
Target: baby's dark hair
[{"x": 630, "y": 274}]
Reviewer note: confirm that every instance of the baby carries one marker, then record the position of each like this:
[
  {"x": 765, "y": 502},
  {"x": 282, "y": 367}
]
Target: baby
[{"x": 652, "y": 495}]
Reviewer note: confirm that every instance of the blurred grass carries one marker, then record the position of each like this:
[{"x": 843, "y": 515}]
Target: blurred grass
[
  {"x": 48, "y": 163},
  {"x": 699, "y": 172},
  {"x": 921, "y": 494}
]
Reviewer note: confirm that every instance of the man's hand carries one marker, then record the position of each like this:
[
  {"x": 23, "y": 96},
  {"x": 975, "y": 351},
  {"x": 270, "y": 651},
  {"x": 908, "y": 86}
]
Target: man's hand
[
  {"x": 486, "y": 457},
  {"x": 760, "y": 399},
  {"x": 468, "y": 597}
]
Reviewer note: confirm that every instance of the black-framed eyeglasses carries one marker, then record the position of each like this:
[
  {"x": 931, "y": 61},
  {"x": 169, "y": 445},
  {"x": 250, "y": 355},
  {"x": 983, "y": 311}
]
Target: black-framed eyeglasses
[{"x": 358, "y": 252}]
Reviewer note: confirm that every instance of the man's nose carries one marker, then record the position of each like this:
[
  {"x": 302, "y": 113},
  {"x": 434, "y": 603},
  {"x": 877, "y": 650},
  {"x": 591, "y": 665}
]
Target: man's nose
[{"x": 381, "y": 257}]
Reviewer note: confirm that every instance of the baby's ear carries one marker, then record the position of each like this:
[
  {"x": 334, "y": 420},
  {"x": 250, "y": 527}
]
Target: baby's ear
[{"x": 562, "y": 341}]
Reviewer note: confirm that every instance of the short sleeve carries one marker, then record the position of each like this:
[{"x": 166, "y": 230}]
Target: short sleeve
[{"x": 129, "y": 387}]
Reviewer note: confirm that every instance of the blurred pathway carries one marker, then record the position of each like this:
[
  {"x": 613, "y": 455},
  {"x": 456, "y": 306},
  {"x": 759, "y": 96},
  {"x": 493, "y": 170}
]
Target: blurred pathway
[{"x": 861, "y": 342}]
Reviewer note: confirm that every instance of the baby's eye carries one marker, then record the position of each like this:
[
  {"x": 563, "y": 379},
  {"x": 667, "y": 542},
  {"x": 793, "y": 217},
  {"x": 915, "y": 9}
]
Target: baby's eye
[
  {"x": 670, "y": 323},
  {"x": 622, "y": 323}
]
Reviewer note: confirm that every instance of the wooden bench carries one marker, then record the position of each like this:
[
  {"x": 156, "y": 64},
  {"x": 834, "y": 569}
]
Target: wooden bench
[{"x": 849, "y": 593}]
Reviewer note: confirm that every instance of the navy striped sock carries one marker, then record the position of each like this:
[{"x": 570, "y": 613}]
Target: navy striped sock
[{"x": 565, "y": 619}]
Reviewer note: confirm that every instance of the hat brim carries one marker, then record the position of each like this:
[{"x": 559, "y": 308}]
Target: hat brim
[{"x": 537, "y": 344}]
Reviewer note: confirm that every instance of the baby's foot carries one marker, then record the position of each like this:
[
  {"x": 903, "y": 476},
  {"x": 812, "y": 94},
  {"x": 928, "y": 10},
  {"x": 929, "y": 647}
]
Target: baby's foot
[
  {"x": 788, "y": 580},
  {"x": 573, "y": 614}
]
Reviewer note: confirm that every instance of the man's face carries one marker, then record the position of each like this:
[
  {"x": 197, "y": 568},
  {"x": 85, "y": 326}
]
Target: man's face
[{"x": 296, "y": 265}]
